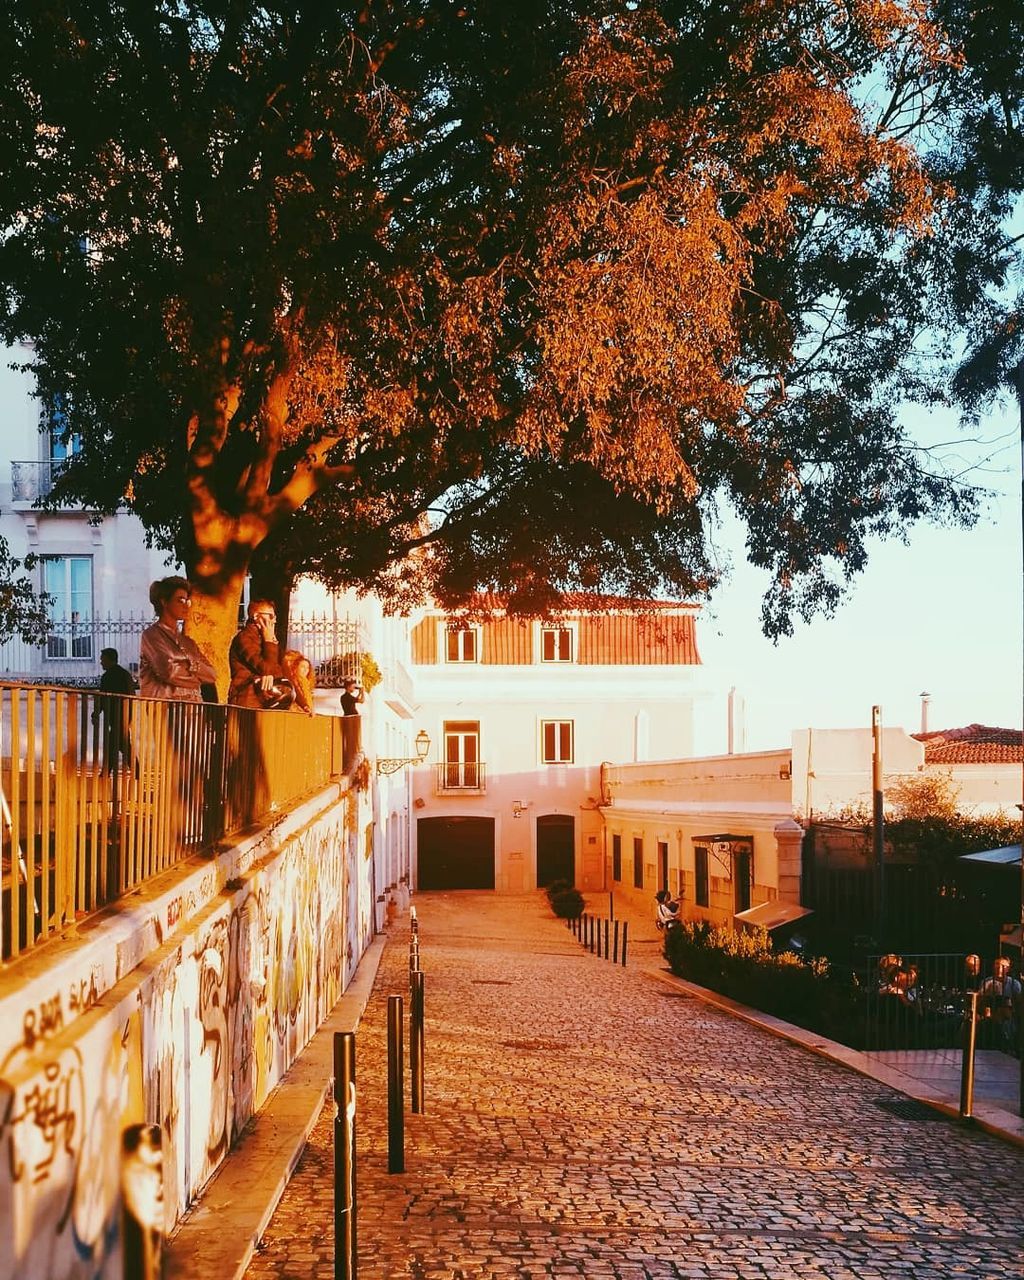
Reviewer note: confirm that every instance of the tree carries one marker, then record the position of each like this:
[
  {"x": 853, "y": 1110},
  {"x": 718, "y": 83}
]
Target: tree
[
  {"x": 426, "y": 297},
  {"x": 22, "y": 612}
]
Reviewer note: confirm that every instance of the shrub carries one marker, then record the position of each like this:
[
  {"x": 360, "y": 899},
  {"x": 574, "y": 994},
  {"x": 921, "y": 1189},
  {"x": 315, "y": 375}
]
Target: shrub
[
  {"x": 567, "y": 904},
  {"x": 556, "y": 887},
  {"x": 743, "y": 966}
]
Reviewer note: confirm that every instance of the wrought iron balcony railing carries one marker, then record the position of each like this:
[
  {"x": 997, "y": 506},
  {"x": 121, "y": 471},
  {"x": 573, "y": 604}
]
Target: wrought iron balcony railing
[
  {"x": 31, "y": 481},
  {"x": 462, "y": 776}
]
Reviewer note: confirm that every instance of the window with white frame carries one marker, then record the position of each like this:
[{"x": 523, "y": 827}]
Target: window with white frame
[
  {"x": 68, "y": 582},
  {"x": 556, "y": 741},
  {"x": 462, "y": 644},
  {"x": 556, "y": 644}
]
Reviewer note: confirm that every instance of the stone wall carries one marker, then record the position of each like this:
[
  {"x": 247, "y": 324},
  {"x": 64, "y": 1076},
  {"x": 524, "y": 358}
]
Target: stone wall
[{"x": 182, "y": 1009}]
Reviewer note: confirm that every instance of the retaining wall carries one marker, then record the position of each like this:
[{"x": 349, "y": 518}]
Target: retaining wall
[{"x": 182, "y": 1008}]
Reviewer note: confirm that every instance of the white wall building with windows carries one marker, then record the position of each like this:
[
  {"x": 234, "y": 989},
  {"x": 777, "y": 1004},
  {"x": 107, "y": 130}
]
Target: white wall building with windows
[
  {"x": 93, "y": 567},
  {"x": 521, "y": 715}
]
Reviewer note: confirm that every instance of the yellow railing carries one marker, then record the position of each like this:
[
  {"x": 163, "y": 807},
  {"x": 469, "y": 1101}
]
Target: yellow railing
[{"x": 99, "y": 793}]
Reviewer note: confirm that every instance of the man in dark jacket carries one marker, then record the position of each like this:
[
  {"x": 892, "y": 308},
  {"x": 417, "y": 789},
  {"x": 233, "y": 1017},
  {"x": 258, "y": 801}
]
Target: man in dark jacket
[
  {"x": 115, "y": 680},
  {"x": 255, "y": 658}
]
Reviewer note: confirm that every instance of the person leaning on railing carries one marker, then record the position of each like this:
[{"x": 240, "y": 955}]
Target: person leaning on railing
[
  {"x": 171, "y": 664},
  {"x": 258, "y": 680}
]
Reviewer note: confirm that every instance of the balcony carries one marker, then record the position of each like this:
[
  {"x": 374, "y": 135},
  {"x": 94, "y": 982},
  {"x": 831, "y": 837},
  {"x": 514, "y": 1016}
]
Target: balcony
[
  {"x": 460, "y": 777},
  {"x": 33, "y": 481}
]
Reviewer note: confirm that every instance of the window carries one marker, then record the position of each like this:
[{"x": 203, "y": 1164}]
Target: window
[
  {"x": 461, "y": 644},
  {"x": 638, "y": 862},
  {"x": 556, "y": 741},
  {"x": 662, "y": 864},
  {"x": 68, "y": 580},
  {"x": 700, "y": 866},
  {"x": 461, "y": 769},
  {"x": 556, "y": 644},
  {"x": 616, "y": 857}
]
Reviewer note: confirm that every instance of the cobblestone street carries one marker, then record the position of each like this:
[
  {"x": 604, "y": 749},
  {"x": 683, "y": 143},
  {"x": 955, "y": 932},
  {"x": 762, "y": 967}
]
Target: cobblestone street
[{"x": 587, "y": 1120}]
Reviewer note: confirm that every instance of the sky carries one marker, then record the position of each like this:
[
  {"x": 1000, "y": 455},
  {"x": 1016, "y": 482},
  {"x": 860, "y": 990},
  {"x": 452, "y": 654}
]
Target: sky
[{"x": 941, "y": 615}]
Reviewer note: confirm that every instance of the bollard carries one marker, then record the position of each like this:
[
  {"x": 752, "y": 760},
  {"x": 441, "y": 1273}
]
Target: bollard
[
  {"x": 606, "y": 939},
  {"x": 416, "y": 1044},
  {"x": 599, "y": 939},
  {"x": 142, "y": 1202},
  {"x": 625, "y": 935},
  {"x": 967, "y": 1066},
  {"x": 615, "y": 952},
  {"x": 345, "y": 1256},
  {"x": 414, "y": 920},
  {"x": 593, "y": 932},
  {"x": 396, "y": 1103}
]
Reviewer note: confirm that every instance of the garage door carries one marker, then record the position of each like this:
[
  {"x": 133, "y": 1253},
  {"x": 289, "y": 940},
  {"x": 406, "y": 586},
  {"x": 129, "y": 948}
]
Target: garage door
[{"x": 455, "y": 853}]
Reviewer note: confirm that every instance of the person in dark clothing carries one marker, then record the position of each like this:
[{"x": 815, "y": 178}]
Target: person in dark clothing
[
  {"x": 255, "y": 660},
  {"x": 351, "y": 696},
  {"x": 116, "y": 684}
]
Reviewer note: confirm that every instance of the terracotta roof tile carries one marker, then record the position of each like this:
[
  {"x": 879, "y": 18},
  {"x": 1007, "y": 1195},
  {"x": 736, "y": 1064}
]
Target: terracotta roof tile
[{"x": 973, "y": 744}]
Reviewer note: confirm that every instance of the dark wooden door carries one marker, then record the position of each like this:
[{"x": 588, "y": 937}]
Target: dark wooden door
[
  {"x": 455, "y": 853},
  {"x": 556, "y": 849}
]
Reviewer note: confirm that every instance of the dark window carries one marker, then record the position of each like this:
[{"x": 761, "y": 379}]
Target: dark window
[
  {"x": 616, "y": 857},
  {"x": 700, "y": 867},
  {"x": 741, "y": 869},
  {"x": 638, "y": 862},
  {"x": 663, "y": 864}
]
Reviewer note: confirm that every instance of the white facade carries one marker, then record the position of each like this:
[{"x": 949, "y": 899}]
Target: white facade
[
  {"x": 520, "y": 723},
  {"x": 95, "y": 568}
]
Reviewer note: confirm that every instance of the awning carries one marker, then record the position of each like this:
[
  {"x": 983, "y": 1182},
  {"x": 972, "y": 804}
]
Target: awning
[
  {"x": 772, "y": 915},
  {"x": 1008, "y": 856}
]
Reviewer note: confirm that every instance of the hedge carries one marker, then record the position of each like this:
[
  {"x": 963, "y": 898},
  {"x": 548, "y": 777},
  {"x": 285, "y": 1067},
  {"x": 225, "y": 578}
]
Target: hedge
[{"x": 743, "y": 966}]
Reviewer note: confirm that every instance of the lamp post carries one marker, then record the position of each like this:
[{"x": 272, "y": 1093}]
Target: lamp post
[{"x": 392, "y": 765}]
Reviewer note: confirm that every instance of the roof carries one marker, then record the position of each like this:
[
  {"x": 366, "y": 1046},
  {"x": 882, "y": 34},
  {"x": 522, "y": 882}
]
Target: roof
[
  {"x": 773, "y": 915},
  {"x": 973, "y": 744},
  {"x": 487, "y": 603},
  {"x": 1008, "y": 856}
]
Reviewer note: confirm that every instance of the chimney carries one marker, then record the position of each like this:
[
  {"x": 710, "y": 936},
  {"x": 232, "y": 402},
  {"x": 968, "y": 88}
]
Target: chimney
[
  {"x": 925, "y": 701},
  {"x": 736, "y": 731}
]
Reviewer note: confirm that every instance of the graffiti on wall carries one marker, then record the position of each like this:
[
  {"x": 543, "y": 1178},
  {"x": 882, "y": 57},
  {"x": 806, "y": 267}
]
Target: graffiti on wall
[{"x": 193, "y": 1051}]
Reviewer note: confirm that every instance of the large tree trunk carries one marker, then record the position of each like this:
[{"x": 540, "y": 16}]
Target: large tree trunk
[{"x": 213, "y": 622}]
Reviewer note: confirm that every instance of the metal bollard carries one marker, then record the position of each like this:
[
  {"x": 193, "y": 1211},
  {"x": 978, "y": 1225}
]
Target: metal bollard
[
  {"x": 967, "y": 1066},
  {"x": 396, "y": 1103},
  {"x": 416, "y": 1038},
  {"x": 142, "y": 1219},
  {"x": 345, "y": 1255},
  {"x": 599, "y": 939},
  {"x": 615, "y": 952},
  {"x": 606, "y": 939},
  {"x": 414, "y": 920},
  {"x": 625, "y": 935}
]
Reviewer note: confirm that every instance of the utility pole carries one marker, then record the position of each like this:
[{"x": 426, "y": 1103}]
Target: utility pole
[{"x": 878, "y": 823}]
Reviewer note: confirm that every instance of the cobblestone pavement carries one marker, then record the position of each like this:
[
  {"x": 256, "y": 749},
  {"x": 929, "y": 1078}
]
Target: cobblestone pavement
[{"x": 584, "y": 1120}]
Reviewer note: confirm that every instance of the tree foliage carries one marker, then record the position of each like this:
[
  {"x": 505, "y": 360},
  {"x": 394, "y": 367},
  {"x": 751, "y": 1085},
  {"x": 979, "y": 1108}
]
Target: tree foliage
[
  {"x": 431, "y": 297},
  {"x": 22, "y": 611}
]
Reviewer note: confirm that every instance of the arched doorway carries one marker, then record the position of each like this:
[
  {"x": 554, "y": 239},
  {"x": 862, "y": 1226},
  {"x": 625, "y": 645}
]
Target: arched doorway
[
  {"x": 556, "y": 849},
  {"x": 455, "y": 853}
]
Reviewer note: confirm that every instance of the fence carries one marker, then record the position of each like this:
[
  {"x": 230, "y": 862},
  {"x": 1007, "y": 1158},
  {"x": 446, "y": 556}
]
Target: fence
[
  {"x": 99, "y": 792},
  {"x": 918, "y": 1001},
  {"x": 72, "y": 647}
]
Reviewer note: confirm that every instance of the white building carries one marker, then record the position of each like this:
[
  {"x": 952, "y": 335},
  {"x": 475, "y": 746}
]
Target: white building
[
  {"x": 94, "y": 567},
  {"x": 522, "y": 714}
]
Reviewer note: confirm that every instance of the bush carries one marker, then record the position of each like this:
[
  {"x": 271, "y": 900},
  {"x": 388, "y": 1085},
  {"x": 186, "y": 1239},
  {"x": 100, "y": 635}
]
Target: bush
[
  {"x": 567, "y": 904},
  {"x": 556, "y": 887},
  {"x": 743, "y": 966}
]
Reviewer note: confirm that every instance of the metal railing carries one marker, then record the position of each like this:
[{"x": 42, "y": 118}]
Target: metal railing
[
  {"x": 100, "y": 793},
  {"x": 460, "y": 775},
  {"x": 31, "y": 481},
  {"x": 71, "y": 650},
  {"x": 915, "y": 1001}
]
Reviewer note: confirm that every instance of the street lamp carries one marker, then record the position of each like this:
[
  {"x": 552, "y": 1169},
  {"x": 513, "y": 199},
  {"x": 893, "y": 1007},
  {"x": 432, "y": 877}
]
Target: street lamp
[{"x": 422, "y": 747}]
